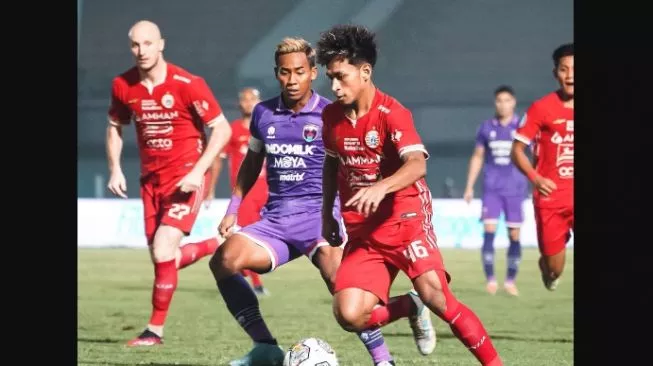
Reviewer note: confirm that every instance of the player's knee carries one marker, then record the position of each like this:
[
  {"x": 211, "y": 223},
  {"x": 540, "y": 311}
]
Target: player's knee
[
  {"x": 349, "y": 316},
  {"x": 490, "y": 228},
  {"x": 514, "y": 234},
  {"x": 165, "y": 243},
  {"x": 225, "y": 262}
]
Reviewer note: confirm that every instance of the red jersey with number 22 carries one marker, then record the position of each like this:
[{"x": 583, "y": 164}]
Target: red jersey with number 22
[
  {"x": 169, "y": 119},
  {"x": 370, "y": 149},
  {"x": 550, "y": 126}
]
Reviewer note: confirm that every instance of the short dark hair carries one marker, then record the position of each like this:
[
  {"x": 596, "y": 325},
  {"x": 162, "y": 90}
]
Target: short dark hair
[
  {"x": 355, "y": 43},
  {"x": 504, "y": 89},
  {"x": 566, "y": 49}
]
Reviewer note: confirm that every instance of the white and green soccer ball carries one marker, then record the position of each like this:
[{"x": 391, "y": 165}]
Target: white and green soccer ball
[{"x": 310, "y": 352}]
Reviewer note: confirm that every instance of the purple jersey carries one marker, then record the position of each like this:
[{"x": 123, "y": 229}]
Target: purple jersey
[
  {"x": 501, "y": 176},
  {"x": 294, "y": 153}
]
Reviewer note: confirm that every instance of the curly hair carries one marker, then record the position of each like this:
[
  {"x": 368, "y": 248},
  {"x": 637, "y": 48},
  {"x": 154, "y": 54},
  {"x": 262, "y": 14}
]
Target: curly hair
[{"x": 354, "y": 43}]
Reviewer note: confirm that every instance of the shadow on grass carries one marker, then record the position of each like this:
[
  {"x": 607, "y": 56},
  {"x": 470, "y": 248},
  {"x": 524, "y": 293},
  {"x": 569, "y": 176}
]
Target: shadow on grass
[{"x": 493, "y": 337}]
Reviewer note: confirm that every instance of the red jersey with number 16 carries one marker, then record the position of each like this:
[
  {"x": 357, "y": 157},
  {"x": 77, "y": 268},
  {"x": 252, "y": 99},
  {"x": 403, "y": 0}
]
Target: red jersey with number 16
[
  {"x": 370, "y": 149},
  {"x": 169, "y": 119},
  {"x": 550, "y": 126}
]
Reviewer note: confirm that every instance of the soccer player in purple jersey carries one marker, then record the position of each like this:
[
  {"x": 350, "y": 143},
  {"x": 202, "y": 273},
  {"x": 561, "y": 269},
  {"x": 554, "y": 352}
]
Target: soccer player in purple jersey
[
  {"x": 286, "y": 134},
  {"x": 504, "y": 187}
]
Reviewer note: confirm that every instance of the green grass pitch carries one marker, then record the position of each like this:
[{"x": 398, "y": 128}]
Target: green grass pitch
[{"x": 114, "y": 291}]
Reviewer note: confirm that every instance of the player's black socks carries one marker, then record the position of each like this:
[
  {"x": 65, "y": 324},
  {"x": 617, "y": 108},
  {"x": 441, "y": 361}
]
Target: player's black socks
[
  {"x": 514, "y": 257},
  {"x": 487, "y": 253}
]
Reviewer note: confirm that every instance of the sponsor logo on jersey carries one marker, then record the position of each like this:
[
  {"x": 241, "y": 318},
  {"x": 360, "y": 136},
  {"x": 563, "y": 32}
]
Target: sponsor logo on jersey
[
  {"x": 271, "y": 131},
  {"x": 291, "y": 177},
  {"x": 309, "y": 133},
  {"x": 157, "y": 116},
  {"x": 557, "y": 139},
  {"x": 159, "y": 144},
  {"x": 289, "y": 162},
  {"x": 289, "y": 149},
  {"x": 570, "y": 126},
  {"x": 357, "y": 160}
]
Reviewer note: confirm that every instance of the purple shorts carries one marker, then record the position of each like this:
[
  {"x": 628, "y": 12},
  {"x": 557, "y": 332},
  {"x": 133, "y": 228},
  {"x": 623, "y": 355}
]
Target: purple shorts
[
  {"x": 287, "y": 238},
  {"x": 511, "y": 206}
]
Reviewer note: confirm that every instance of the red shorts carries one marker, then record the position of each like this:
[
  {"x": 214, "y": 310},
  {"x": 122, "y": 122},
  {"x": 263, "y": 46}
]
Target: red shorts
[
  {"x": 372, "y": 262},
  {"x": 250, "y": 208},
  {"x": 164, "y": 203},
  {"x": 554, "y": 226}
]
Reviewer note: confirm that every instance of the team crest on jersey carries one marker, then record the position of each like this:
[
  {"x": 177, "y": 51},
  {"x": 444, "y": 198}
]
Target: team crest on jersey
[
  {"x": 310, "y": 132},
  {"x": 271, "y": 131},
  {"x": 168, "y": 100},
  {"x": 372, "y": 139},
  {"x": 523, "y": 121}
]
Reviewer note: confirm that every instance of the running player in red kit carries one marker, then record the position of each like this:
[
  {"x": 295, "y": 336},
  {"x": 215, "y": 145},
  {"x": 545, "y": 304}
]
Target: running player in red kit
[
  {"x": 170, "y": 108},
  {"x": 371, "y": 139},
  {"x": 549, "y": 125},
  {"x": 249, "y": 211}
]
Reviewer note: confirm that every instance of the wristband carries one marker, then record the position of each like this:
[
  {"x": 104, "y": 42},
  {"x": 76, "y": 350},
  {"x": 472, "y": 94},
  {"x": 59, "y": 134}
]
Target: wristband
[
  {"x": 233, "y": 204},
  {"x": 532, "y": 175}
]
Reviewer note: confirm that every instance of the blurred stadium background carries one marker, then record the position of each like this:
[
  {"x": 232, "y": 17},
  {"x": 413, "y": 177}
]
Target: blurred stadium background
[{"x": 442, "y": 59}]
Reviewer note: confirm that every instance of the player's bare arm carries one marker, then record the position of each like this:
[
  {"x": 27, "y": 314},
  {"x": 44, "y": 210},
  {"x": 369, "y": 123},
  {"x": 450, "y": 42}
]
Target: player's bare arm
[
  {"x": 367, "y": 200},
  {"x": 520, "y": 159},
  {"x": 220, "y": 134},
  {"x": 475, "y": 165},
  {"x": 247, "y": 176},
  {"x": 117, "y": 183},
  {"x": 330, "y": 228}
]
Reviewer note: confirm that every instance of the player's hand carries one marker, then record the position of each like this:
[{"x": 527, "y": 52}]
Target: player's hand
[
  {"x": 545, "y": 185},
  {"x": 191, "y": 182},
  {"x": 117, "y": 184},
  {"x": 468, "y": 195},
  {"x": 226, "y": 226},
  {"x": 367, "y": 199},
  {"x": 208, "y": 199},
  {"x": 331, "y": 231}
]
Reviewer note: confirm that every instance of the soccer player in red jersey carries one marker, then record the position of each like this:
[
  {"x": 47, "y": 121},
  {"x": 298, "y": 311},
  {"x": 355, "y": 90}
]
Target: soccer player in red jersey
[
  {"x": 370, "y": 137},
  {"x": 549, "y": 125},
  {"x": 170, "y": 108},
  {"x": 250, "y": 208}
]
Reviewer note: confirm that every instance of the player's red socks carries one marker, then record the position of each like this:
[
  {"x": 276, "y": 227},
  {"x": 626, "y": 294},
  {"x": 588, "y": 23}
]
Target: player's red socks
[
  {"x": 165, "y": 283},
  {"x": 398, "y": 307},
  {"x": 467, "y": 327},
  {"x": 192, "y": 252}
]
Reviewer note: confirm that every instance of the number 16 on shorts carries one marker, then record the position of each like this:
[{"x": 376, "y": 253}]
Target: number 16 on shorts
[{"x": 416, "y": 251}]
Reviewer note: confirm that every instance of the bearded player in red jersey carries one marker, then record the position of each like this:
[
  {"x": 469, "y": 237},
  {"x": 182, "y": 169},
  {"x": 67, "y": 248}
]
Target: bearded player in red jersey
[
  {"x": 549, "y": 124},
  {"x": 170, "y": 108},
  {"x": 371, "y": 139},
  {"x": 249, "y": 211}
]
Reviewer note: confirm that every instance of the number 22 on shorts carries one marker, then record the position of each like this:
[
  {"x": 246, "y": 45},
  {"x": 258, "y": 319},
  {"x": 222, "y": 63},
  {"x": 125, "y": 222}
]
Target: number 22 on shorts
[
  {"x": 415, "y": 251},
  {"x": 178, "y": 211}
]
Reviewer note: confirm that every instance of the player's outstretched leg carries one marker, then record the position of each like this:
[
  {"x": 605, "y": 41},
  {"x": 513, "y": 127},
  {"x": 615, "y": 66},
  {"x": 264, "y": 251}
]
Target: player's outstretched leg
[
  {"x": 513, "y": 259},
  {"x": 487, "y": 256},
  {"x": 327, "y": 259},
  {"x": 163, "y": 253},
  {"x": 192, "y": 252},
  {"x": 236, "y": 254}
]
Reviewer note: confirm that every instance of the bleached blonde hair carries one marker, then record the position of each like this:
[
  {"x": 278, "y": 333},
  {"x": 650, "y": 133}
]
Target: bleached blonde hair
[{"x": 294, "y": 44}]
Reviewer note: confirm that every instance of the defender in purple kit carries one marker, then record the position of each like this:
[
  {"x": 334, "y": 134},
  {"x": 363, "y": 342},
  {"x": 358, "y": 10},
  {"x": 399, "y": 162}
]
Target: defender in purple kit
[
  {"x": 287, "y": 135},
  {"x": 504, "y": 187}
]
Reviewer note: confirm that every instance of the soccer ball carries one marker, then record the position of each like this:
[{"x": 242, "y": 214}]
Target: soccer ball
[{"x": 310, "y": 352}]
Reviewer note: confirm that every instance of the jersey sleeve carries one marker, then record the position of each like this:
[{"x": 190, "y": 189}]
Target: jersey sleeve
[
  {"x": 531, "y": 123},
  {"x": 403, "y": 134},
  {"x": 327, "y": 135},
  {"x": 481, "y": 139},
  {"x": 118, "y": 111},
  {"x": 202, "y": 100},
  {"x": 255, "y": 140}
]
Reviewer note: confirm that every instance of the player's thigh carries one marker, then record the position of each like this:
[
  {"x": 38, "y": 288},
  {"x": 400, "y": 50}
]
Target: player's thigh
[
  {"x": 491, "y": 208},
  {"x": 150, "y": 211},
  {"x": 239, "y": 253},
  {"x": 514, "y": 213},
  {"x": 327, "y": 259},
  {"x": 269, "y": 236},
  {"x": 180, "y": 209},
  {"x": 553, "y": 230},
  {"x": 410, "y": 246},
  {"x": 363, "y": 268},
  {"x": 431, "y": 286}
]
